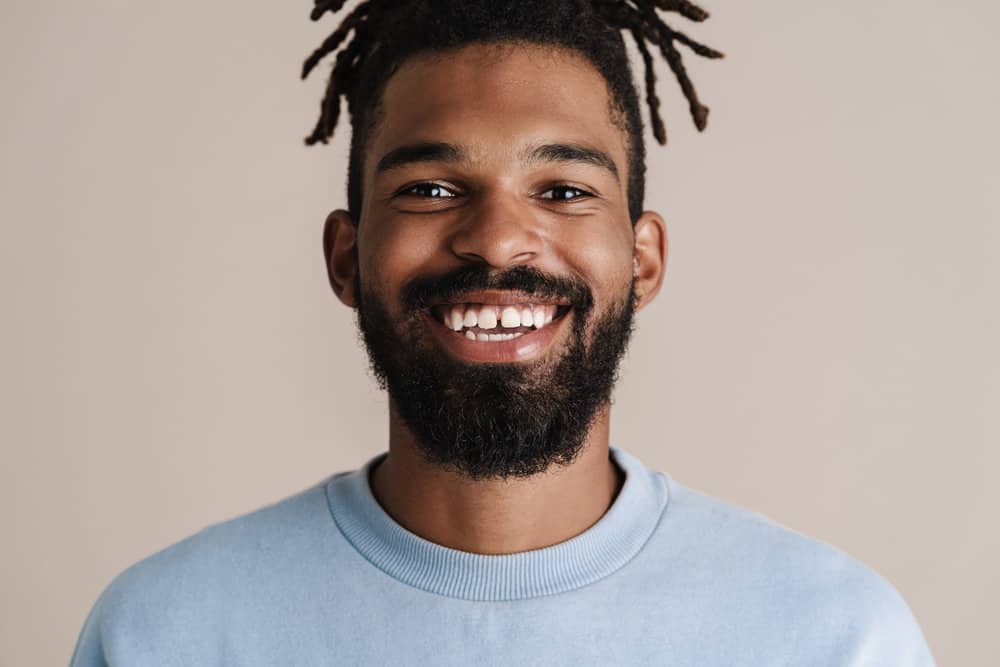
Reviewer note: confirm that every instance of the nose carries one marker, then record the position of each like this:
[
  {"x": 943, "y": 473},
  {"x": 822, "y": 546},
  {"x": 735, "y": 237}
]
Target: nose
[{"x": 499, "y": 231}]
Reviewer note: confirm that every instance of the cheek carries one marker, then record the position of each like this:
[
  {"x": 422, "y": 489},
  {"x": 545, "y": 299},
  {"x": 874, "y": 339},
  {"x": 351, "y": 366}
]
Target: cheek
[
  {"x": 389, "y": 254},
  {"x": 602, "y": 253}
]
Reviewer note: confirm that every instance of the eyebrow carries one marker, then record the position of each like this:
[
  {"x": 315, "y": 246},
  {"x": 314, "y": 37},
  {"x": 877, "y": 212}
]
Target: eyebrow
[
  {"x": 433, "y": 151},
  {"x": 440, "y": 151},
  {"x": 570, "y": 153}
]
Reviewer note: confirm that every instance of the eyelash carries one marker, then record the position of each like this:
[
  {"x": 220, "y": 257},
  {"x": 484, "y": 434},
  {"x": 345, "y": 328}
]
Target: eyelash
[{"x": 409, "y": 191}]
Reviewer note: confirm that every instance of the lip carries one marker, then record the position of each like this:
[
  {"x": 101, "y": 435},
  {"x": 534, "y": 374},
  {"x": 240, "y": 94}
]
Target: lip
[{"x": 522, "y": 348}]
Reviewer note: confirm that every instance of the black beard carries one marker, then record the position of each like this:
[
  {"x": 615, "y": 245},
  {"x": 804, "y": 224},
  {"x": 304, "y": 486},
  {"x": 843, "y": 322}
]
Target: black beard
[{"x": 497, "y": 420}]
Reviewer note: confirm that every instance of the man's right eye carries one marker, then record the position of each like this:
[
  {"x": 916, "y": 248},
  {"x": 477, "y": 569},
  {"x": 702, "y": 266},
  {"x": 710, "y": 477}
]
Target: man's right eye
[{"x": 428, "y": 190}]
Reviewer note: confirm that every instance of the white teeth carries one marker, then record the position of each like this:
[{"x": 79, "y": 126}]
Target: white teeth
[
  {"x": 510, "y": 317},
  {"x": 456, "y": 318},
  {"x": 487, "y": 317},
  {"x": 484, "y": 317}
]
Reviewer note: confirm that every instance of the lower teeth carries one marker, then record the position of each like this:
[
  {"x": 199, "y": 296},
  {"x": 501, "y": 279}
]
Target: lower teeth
[{"x": 492, "y": 338}]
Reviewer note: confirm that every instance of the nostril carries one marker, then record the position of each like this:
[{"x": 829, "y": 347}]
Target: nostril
[
  {"x": 523, "y": 257},
  {"x": 471, "y": 257}
]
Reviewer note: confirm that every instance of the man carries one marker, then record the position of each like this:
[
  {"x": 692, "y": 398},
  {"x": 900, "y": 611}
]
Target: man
[{"x": 495, "y": 249}]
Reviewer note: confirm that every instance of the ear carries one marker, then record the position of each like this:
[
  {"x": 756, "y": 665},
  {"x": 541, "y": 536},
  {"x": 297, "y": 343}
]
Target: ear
[
  {"x": 340, "y": 251},
  {"x": 650, "y": 257}
]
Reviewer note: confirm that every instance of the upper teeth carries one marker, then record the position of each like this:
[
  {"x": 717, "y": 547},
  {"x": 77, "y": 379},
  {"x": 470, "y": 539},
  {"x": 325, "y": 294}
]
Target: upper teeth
[{"x": 487, "y": 316}]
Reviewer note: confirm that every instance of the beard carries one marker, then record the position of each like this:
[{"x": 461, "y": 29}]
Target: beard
[{"x": 496, "y": 420}]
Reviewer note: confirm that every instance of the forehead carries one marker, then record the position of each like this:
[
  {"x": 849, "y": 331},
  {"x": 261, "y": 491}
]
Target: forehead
[{"x": 498, "y": 98}]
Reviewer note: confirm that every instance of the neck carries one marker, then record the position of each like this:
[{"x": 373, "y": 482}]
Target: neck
[{"x": 496, "y": 516}]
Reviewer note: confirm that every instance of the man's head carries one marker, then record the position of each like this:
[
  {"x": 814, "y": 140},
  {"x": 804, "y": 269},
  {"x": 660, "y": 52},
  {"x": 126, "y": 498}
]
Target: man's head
[{"x": 494, "y": 247}]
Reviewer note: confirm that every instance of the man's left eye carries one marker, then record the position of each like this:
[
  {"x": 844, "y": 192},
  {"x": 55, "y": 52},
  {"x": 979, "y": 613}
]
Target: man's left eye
[
  {"x": 429, "y": 190},
  {"x": 565, "y": 193}
]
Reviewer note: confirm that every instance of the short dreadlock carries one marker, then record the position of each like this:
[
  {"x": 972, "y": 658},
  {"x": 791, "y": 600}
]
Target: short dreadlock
[{"x": 387, "y": 32}]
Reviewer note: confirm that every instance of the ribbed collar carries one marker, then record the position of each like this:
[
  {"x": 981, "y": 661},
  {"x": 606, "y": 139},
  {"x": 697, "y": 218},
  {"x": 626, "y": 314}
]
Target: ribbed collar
[{"x": 593, "y": 554}]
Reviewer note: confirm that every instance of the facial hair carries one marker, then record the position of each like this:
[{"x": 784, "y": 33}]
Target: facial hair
[{"x": 496, "y": 420}]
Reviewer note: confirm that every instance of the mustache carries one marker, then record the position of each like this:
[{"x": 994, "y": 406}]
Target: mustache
[{"x": 421, "y": 291}]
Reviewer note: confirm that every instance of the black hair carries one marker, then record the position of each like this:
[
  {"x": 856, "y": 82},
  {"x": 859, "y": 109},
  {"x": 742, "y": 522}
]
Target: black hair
[{"x": 387, "y": 32}]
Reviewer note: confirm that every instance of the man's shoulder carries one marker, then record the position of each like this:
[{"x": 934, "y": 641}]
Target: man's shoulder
[
  {"x": 735, "y": 541},
  {"x": 192, "y": 586},
  {"x": 823, "y": 592},
  {"x": 224, "y": 556},
  {"x": 730, "y": 529}
]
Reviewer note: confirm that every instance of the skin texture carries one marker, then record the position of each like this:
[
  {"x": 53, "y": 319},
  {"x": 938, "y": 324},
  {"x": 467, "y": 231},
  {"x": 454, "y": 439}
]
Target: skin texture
[{"x": 496, "y": 103}]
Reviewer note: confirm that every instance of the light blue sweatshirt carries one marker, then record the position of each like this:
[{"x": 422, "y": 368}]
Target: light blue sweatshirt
[{"x": 668, "y": 576}]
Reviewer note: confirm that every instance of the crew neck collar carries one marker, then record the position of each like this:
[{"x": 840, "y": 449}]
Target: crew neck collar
[{"x": 581, "y": 560}]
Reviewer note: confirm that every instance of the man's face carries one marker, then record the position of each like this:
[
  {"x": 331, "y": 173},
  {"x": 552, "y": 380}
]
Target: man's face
[{"x": 495, "y": 269}]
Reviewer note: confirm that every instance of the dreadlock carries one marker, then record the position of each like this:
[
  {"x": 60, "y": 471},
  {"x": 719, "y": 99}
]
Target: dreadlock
[{"x": 387, "y": 32}]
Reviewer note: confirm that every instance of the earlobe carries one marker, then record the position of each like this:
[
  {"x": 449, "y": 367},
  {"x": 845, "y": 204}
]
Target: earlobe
[
  {"x": 340, "y": 252},
  {"x": 649, "y": 260}
]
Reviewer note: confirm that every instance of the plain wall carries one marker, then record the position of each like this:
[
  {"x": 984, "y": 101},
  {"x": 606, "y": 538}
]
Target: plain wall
[{"x": 824, "y": 350}]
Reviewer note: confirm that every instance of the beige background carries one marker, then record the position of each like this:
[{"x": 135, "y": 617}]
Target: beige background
[{"x": 824, "y": 351}]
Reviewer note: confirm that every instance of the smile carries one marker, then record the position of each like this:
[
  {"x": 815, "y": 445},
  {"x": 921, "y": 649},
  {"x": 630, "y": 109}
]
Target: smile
[{"x": 497, "y": 326}]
